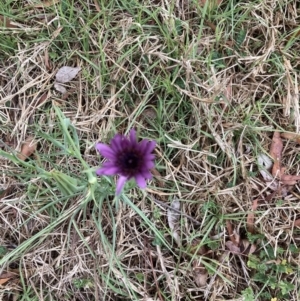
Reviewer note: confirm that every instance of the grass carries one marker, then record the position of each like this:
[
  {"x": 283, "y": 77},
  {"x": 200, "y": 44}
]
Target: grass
[{"x": 210, "y": 82}]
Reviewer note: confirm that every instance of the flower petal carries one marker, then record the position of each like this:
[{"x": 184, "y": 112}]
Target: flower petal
[
  {"x": 149, "y": 157},
  {"x": 146, "y": 174},
  {"x": 105, "y": 151},
  {"x": 99, "y": 172},
  {"x": 126, "y": 144},
  {"x": 140, "y": 180},
  {"x": 147, "y": 146},
  {"x": 133, "y": 140},
  {"x": 151, "y": 146},
  {"x": 132, "y": 136},
  {"x": 116, "y": 143},
  {"x": 148, "y": 164},
  {"x": 120, "y": 184},
  {"x": 143, "y": 146},
  {"x": 107, "y": 169}
]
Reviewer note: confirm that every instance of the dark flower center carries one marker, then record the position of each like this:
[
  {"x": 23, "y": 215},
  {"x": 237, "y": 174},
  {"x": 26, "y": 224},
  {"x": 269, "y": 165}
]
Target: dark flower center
[{"x": 129, "y": 161}]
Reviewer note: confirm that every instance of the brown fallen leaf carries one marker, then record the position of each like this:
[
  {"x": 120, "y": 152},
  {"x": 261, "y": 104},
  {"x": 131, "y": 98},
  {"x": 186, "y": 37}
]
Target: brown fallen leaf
[
  {"x": 10, "y": 274},
  {"x": 196, "y": 249},
  {"x": 247, "y": 248},
  {"x": 211, "y": 25},
  {"x": 296, "y": 223},
  {"x": 66, "y": 74},
  {"x": 5, "y": 22},
  {"x": 67, "y": 94},
  {"x": 234, "y": 237},
  {"x": 244, "y": 248},
  {"x": 252, "y": 249},
  {"x": 47, "y": 60},
  {"x": 200, "y": 273},
  {"x": 276, "y": 153},
  {"x": 27, "y": 149},
  {"x": 5, "y": 192},
  {"x": 4, "y": 280},
  {"x": 291, "y": 136},
  {"x": 232, "y": 247},
  {"x": 250, "y": 217},
  {"x": 43, "y": 4},
  {"x": 236, "y": 245},
  {"x": 42, "y": 99},
  {"x": 288, "y": 179}
]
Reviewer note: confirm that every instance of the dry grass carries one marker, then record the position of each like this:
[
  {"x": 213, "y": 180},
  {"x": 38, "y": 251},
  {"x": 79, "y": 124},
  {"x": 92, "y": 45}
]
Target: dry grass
[{"x": 210, "y": 85}]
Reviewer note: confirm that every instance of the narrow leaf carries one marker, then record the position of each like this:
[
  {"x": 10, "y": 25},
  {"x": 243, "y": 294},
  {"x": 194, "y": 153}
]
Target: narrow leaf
[
  {"x": 276, "y": 153},
  {"x": 264, "y": 164},
  {"x": 173, "y": 219},
  {"x": 250, "y": 217},
  {"x": 291, "y": 136}
]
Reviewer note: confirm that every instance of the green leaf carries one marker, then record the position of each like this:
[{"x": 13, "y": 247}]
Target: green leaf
[
  {"x": 66, "y": 184},
  {"x": 293, "y": 249},
  {"x": 253, "y": 262},
  {"x": 240, "y": 38},
  {"x": 248, "y": 294},
  {"x": 286, "y": 287},
  {"x": 3, "y": 251},
  {"x": 157, "y": 241},
  {"x": 140, "y": 277}
]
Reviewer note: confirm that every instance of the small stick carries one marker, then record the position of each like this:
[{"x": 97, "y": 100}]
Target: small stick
[{"x": 176, "y": 210}]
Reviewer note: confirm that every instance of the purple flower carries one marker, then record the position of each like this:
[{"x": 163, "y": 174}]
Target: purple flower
[{"x": 127, "y": 158}]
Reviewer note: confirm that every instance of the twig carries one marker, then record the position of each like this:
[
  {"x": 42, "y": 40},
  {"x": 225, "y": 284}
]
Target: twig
[{"x": 175, "y": 210}]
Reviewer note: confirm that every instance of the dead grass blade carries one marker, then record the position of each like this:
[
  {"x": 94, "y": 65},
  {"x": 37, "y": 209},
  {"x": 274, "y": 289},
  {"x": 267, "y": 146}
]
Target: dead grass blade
[
  {"x": 97, "y": 6},
  {"x": 46, "y": 3},
  {"x": 212, "y": 3}
]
